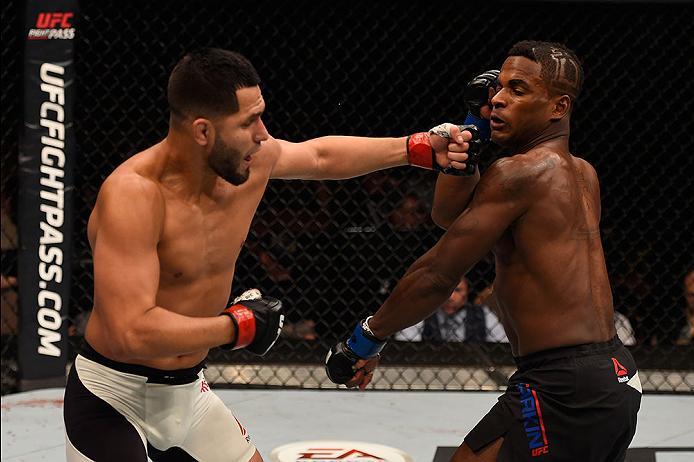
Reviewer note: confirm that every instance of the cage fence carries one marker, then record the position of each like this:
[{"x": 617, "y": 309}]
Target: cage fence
[{"x": 333, "y": 251}]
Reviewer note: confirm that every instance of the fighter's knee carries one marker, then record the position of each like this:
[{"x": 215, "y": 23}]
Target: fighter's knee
[
  {"x": 256, "y": 457},
  {"x": 463, "y": 454},
  {"x": 488, "y": 453}
]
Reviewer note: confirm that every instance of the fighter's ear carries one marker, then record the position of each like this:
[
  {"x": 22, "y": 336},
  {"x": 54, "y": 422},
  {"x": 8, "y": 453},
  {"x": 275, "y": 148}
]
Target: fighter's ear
[
  {"x": 203, "y": 131},
  {"x": 561, "y": 107}
]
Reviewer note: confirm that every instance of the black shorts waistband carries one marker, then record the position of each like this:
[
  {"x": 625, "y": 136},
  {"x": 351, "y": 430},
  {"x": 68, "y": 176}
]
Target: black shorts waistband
[
  {"x": 174, "y": 377},
  {"x": 586, "y": 349}
]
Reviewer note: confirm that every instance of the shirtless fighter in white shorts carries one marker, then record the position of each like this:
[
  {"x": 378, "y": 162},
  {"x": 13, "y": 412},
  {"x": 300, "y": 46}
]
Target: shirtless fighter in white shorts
[{"x": 166, "y": 230}]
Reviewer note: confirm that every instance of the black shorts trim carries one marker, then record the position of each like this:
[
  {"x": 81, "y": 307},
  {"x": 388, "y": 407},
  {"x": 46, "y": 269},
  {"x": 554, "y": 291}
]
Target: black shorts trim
[
  {"x": 174, "y": 377},
  {"x": 576, "y": 351}
]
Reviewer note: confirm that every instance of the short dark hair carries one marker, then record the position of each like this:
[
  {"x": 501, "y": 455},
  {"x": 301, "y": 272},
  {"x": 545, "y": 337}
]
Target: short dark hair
[
  {"x": 204, "y": 83},
  {"x": 560, "y": 67}
]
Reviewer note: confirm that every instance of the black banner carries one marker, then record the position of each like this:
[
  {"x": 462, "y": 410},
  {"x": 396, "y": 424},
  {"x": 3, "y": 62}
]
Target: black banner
[{"x": 45, "y": 191}]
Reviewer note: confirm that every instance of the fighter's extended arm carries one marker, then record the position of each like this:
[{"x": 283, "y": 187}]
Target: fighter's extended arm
[{"x": 340, "y": 157}]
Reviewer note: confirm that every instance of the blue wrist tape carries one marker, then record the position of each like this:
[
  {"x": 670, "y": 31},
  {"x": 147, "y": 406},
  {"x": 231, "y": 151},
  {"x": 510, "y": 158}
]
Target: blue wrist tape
[
  {"x": 481, "y": 124},
  {"x": 363, "y": 346}
]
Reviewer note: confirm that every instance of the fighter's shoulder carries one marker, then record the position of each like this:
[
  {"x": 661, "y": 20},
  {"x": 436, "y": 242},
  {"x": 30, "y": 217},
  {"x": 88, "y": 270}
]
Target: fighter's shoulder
[
  {"x": 505, "y": 165},
  {"x": 127, "y": 184},
  {"x": 586, "y": 167},
  {"x": 516, "y": 173}
]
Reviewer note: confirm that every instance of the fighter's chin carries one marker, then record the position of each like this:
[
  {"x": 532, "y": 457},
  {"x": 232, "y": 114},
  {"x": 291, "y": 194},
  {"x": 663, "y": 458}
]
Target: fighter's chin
[
  {"x": 501, "y": 139},
  {"x": 237, "y": 178}
]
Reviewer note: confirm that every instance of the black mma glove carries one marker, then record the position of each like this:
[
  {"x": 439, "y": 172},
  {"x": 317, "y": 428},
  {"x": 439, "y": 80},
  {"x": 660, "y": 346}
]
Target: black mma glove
[
  {"x": 421, "y": 154},
  {"x": 476, "y": 96},
  {"x": 257, "y": 322},
  {"x": 362, "y": 344}
]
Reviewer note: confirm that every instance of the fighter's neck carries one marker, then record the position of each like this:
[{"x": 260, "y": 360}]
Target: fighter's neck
[
  {"x": 186, "y": 169},
  {"x": 555, "y": 138}
]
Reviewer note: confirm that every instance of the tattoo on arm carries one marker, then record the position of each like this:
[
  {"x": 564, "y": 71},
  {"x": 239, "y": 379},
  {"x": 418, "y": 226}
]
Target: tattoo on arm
[{"x": 547, "y": 164}]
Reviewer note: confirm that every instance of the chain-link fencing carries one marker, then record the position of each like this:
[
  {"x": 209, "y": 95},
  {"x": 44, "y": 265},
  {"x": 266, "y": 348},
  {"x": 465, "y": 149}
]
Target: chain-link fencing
[{"x": 333, "y": 251}]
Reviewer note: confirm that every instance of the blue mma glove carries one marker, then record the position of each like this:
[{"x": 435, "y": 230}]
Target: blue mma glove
[{"x": 362, "y": 344}]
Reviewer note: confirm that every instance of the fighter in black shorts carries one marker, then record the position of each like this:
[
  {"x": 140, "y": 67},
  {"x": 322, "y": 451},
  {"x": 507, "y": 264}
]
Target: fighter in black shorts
[
  {"x": 567, "y": 403},
  {"x": 576, "y": 393}
]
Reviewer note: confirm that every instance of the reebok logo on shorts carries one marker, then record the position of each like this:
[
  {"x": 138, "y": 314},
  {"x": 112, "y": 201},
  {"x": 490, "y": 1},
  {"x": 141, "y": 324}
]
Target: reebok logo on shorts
[
  {"x": 533, "y": 424},
  {"x": 620, "y": 371}
]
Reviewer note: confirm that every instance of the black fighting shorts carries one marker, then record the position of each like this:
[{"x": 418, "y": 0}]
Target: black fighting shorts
[{"x": 566, "y": 404}]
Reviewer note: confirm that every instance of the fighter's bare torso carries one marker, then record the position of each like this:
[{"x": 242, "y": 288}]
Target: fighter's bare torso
[
  {"x": 551, "y": 284},
  {"x": 199, "y": 241}
]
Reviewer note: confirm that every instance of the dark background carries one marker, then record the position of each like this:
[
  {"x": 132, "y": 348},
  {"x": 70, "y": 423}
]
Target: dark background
[{"x": 333, "y": 250}]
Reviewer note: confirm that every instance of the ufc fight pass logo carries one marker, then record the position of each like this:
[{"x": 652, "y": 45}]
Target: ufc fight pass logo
[{"x": 53, "y": 26}]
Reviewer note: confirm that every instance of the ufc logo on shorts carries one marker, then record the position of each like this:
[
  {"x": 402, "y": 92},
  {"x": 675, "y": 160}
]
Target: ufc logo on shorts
[{"x": 51, "y": 20}]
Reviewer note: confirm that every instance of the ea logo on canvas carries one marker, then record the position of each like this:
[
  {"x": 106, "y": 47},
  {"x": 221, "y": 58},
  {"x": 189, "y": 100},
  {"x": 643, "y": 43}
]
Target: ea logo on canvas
[{"x": 337, "y": 451}]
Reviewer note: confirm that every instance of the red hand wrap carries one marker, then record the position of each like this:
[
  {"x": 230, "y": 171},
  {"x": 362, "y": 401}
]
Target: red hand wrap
[
  {"x": 419, "y": 150},
  {"x": 245, "y": 325}
]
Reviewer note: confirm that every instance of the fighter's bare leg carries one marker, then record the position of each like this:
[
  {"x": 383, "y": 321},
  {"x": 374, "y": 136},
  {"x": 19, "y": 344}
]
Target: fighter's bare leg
[
  {"x": 256, "y": 457},
  {"x": 488, "y": 453}
]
